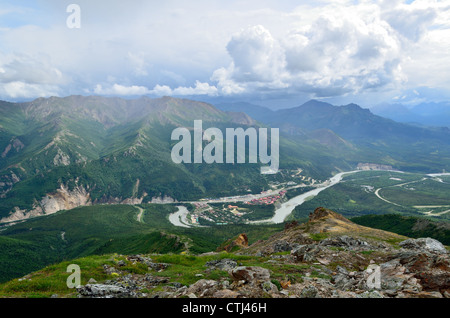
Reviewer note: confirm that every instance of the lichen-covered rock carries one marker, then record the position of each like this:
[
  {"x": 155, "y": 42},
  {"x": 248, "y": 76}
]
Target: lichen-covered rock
[
  {"x": 309, "y": 292},
  {"x": 250, "y": 274},
  {"x": 307, "y": 253},
  {"x": 225, "y": 264},
  {"x": 346, "y": 242},
  {"x": 282, "y": 246},
  {"x": 424, "y": 244},
  {"x": 105, "y": 291},
  {"x": 203, "y": 288},
  {"x": 431, "y": 269}
]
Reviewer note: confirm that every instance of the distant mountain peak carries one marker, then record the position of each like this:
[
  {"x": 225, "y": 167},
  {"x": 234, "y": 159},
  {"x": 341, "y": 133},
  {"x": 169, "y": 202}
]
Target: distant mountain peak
[
  {"x": 316, "y": 103},
  {"x": 353, "y": 105}
]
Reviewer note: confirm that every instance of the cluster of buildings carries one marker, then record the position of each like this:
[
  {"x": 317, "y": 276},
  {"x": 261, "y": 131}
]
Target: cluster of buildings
[
  {"x": 205, "y": 211},
  {"x": 200, "y": 205},
  {"x": 200, "y": 209},
  {"x": 235, "y": 210},
  {"x": 194, "y": 219},
  {"x": 217, "y": 216},
  {"x": 373, "y": 166},
  {"x": 268, "y": 200}
]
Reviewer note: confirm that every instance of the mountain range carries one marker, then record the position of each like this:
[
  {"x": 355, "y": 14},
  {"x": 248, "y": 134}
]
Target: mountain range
[
  {"x": 92, "y": 169},
  {"x": 358, "y": 132},
  {"x": 425, "y": 114},
  {"x": 60, "y": 153}
]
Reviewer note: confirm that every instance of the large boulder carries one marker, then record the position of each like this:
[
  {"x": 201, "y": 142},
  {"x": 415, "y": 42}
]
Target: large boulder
[
  {"x": 346, "y": 242},
  {"x": 203, "y": 288},
  {"x": 250, "y": 274},
  {"x": 395, "y": 277},
  {"x": 105, "y": 291},
  {"x": 309, "y": 292},
  {"x": 281, "y": 246},
  {"x": 307, "y": 253},
  {"x": 424, "y": 244},
  {"x": 432, "y": 269},
  {"x": 225, "y": 264}
]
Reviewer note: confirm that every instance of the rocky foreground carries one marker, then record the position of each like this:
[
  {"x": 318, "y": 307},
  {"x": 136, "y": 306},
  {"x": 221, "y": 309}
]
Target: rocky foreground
[{"x": 327, "y": 257}]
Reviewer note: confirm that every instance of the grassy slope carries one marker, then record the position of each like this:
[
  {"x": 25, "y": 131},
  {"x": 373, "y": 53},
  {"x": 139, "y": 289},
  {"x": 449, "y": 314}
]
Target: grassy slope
[
  {"x": 183, "y": 268},
  {"x": 407, "y": 226},
  {"x": 69, "y": 234},
  {"x": 96, "y": 230},
  {"x": 101, "y": 235},
  {"x": 352, "y": 198},
  {"x": 107, "y": 229}
]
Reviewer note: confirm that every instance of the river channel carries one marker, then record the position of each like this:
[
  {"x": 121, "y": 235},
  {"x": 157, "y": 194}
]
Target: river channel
[{"x": 179, "y": 218}]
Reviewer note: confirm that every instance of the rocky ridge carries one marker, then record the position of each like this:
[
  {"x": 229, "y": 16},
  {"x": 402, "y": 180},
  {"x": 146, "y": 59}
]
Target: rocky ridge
[{"x": 318, "y": 259}]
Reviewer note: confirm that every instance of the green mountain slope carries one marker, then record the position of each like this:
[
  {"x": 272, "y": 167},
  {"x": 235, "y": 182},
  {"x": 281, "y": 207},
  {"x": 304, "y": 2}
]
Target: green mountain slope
[
  {"x": 103, "y": 146},
  {"x": 60, "y": 153},
  {"x": 408, "y": 226},
  {"x": 77, "y": 233},
  {"x": 102, "y": 229},
  {"x": 328, "y": 256},
  {"x": 405, "y": 147}
]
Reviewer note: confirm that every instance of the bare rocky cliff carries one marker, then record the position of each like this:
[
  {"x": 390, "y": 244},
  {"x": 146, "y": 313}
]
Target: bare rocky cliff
[{"x": 63, "y": 199}]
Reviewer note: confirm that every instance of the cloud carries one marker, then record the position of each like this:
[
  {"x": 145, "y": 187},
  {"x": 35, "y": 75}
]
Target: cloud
[
  {"x": 28, "y": 69},
  {"x": 25, "y": 76},
  {"x": 18, "y": 89},
  {"x": 199, "y": 89},
  {"x": 258, "y": 61},
  {"x": 121, "y": 90},
  {"x": 339, "y": 51},
  {"x": 225, "y": 83},
  {"x": 159, "y": 90},
  {"x": 212, "y": 48},
  {"x": 410, "y": 21},
  {"x": 339, "y": 58},
  {"x": 256, "y": 55},
  {"x": 162, "y": 90},
  {"x": 138, "y": 63}
]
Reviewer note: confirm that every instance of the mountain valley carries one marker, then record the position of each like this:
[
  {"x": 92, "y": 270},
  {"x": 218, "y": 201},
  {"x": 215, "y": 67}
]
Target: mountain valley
[
  {"x": 328, "y": 256},
  {"x": 84, "y": 177}
]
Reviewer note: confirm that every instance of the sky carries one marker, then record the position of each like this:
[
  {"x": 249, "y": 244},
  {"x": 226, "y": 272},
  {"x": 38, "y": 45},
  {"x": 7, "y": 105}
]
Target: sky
[{"x": 273, "y": 53}]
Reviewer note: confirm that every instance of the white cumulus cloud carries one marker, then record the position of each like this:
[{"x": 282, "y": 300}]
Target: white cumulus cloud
[
  {"x": 19, "y": 89},
  {"x": 118, "y": 89},
  {"x": 339, "y": 52},
  {"x": 160, "y": 90},
  {"x": 285, "y": 48}
]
